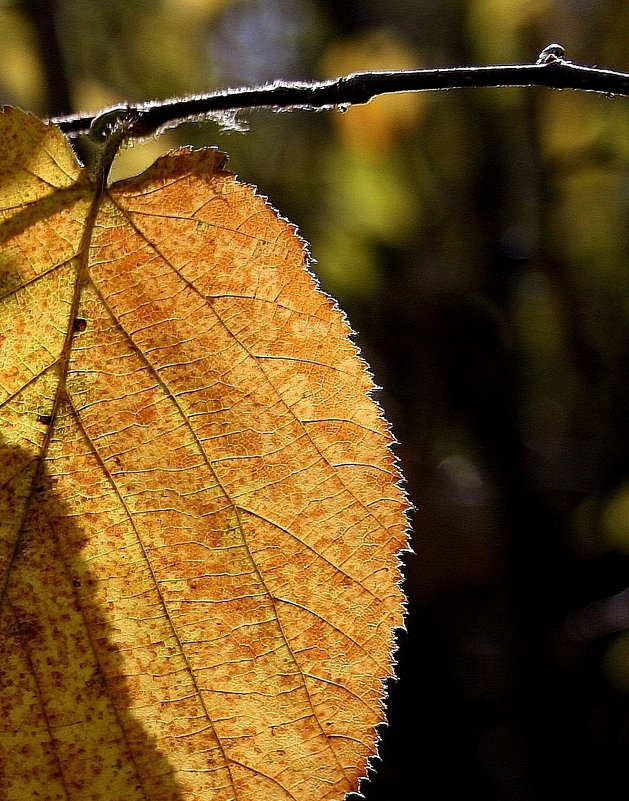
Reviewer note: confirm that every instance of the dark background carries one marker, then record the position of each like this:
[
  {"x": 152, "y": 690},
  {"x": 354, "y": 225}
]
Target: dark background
[{"x": 478, "y": 241}]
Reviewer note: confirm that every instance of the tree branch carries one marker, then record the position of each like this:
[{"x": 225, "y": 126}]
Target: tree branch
[{"x": 552, "y": 70}]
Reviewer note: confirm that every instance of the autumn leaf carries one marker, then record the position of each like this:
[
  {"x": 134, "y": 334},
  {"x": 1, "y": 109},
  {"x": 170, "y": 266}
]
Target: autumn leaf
[{"x": 199, "y": 510}]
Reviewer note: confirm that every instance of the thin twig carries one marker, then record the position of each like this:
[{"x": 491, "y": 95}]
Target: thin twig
[{"x": 551, "y": 70}]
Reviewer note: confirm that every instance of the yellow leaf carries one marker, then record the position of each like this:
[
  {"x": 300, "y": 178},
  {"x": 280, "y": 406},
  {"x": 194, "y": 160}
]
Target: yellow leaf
[
  {"x": 372, "y": 131},
  {"x": 199, "y": 511}
]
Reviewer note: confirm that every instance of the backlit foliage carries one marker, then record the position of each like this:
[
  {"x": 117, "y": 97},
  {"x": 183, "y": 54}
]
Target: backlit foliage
[{"x": 199, "y": 511}]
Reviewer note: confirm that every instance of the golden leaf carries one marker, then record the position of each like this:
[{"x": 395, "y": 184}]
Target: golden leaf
[{"x": 199, "y": 511}]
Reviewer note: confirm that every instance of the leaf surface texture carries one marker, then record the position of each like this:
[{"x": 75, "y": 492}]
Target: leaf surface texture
[{"x": 199, "y": 512}]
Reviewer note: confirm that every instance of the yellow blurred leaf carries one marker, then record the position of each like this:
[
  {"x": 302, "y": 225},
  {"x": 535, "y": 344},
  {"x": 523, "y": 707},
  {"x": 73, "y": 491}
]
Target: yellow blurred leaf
[
  {"x": 615, "y": 663},
  {"x": 199, "y": 510},
  {"x": 373, "y": 129},
  {"x": 497, "y": 28},
  {"x": 20, "y": 71},
  {"x": 615, "y": 518}
]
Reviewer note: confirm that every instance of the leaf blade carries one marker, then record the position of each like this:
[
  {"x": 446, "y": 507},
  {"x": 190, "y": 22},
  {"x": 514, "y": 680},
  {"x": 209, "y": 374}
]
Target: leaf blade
[{"x": 214, "y": 437}]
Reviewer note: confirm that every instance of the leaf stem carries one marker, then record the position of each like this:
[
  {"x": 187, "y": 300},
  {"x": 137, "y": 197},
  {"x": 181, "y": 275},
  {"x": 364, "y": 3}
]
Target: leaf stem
[{"x": 551, "y": 70}]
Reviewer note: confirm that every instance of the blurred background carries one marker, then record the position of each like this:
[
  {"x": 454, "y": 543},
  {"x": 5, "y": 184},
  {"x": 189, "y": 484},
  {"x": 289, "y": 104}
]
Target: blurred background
[{"x": 479, "y": 242}]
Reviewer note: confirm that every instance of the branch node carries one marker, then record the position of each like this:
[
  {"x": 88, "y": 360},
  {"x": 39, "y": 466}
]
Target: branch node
[{"x": 552, "y": 52}]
